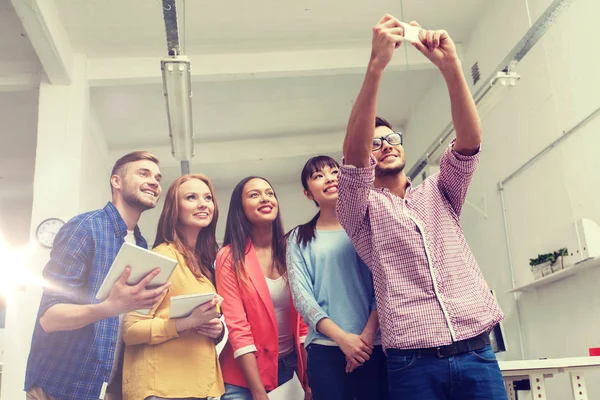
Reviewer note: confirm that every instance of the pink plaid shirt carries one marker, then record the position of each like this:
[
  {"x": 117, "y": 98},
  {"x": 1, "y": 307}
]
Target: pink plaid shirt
[{"x": 429, "y": 288}]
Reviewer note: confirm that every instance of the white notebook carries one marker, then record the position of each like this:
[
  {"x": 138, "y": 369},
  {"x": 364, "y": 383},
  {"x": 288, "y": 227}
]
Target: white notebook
[
  {"x": 182, "y": 306},
  {"x": 291, "y": 390}
]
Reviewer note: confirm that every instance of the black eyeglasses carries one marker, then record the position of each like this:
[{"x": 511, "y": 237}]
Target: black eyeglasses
[{"x": 394, "y": 139}]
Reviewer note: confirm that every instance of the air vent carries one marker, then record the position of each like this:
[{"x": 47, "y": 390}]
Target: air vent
[{"x": 475, "y": 73}]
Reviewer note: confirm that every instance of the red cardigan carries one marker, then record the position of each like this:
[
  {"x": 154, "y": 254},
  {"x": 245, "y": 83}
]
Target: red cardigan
[{"x": 250, "y": 318}]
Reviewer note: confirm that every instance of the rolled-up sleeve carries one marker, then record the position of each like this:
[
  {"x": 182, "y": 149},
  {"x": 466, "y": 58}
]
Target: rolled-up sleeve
[
  {"x": 240, "y": 334},
  {"x": 301, "y": 285},
  {"x": 456, "y": 173},
  {"x": 148, "y": 329}
]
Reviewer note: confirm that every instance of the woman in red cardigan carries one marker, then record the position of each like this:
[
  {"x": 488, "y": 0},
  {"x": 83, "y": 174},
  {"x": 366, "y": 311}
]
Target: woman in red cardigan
[{"x": 265, "y": 331}]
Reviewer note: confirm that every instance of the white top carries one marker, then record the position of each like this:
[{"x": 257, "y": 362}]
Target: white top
[
  {"x": 130, "y": 238},
  {"x": 282, "y": 302}
]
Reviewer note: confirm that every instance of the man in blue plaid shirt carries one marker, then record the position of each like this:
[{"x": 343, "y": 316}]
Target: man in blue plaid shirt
[{"x": 76, "y": 344}]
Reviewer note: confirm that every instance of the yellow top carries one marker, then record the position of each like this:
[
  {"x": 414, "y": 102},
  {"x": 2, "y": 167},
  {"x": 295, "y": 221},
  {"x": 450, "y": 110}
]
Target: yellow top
[{"x": 159, "y": 361}]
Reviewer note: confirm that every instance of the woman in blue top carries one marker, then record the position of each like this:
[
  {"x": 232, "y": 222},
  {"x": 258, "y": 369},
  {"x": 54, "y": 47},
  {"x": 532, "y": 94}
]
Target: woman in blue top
[{"x": 333, "y": 291}]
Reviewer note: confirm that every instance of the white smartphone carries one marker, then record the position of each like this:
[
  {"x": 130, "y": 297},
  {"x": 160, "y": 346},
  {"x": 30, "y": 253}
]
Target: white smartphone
[{"x": 411, "y": 33}]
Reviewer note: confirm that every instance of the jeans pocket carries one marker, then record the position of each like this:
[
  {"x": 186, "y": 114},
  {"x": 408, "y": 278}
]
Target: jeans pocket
[
  {"x": 400, "y": 363},
  {"x": 485, "y": 354}
]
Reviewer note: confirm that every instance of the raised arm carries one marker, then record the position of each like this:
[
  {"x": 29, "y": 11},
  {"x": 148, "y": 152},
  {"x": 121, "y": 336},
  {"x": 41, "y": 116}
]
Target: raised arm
[
  {"x": 439, "y": 48},
  {"x": 387, "y": 36}
]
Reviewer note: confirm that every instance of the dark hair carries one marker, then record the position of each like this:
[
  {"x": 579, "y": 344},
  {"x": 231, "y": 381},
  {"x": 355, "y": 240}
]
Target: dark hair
[
  {"x": 306, "y": 232},
  {"x": 238, "y": 229},
  {"x": 200, "y": 260},
  {"x": 382, "y": 122},
  {"x": 119, "y": 167}
]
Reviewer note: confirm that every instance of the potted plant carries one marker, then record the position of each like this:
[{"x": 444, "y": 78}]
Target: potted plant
[
  {"x": 545, "y": 264},
  {"x": 559, "y": 259}
]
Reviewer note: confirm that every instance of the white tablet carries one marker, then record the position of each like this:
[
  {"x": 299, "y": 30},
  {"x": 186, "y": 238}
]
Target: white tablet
[
  {"x": 182, "y": 306},
  {"x": 141, "y": 262}
]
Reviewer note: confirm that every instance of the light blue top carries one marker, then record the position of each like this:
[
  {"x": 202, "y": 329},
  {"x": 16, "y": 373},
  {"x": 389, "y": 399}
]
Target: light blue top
[{"x": 329, "y": 280}]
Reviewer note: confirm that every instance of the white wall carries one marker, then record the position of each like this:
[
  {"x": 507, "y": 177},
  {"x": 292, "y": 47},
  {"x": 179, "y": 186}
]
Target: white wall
[
  {"x": 15, "y": 217},
  {"x": 95, "y": 174},
  {"x": 559, "y": 87}
]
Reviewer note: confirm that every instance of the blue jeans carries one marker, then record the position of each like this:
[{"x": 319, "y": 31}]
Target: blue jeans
[
  {"x": 469, "y": 376},
  {"x": 328, "y": 379},
  {"x": 285, "y": 371}
]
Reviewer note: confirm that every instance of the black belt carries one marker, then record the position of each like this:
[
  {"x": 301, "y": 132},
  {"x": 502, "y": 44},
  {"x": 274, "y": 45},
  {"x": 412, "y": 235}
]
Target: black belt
[{"x": 460, "y": 347}]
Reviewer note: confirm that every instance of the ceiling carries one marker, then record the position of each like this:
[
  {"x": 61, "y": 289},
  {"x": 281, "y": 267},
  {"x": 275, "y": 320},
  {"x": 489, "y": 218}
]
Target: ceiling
[
  {"x": 16, "y": 52},
  {"x": 114, "y": 28},
  {"x": 242, "y": 109},
  {"x": 273, "y": 82}
]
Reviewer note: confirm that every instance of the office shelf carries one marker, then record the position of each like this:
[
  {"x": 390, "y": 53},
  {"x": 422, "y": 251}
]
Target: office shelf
[{"x": 559, "y": 275}]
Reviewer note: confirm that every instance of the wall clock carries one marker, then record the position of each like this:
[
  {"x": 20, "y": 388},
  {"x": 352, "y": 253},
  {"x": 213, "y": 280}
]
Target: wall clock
[{"x": 47, "y": 230}]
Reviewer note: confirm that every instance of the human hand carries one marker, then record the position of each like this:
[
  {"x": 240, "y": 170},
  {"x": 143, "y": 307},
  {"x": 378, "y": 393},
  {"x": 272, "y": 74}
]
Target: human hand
[
  {"x": 212, "y": 329},
  {"x": 354, "y": 349},
  {"x": 205, "y": 312},
  {"x": 367, "y": 337},
  {"x": 261, "y": 396},
  {"x": 201, "y": 315},
  {"x": 388, "y": 35},
  {"x": 437, "y": 46},
  {"x": 351, "y": 365},
  {"x": 219, "y": 301},
  {"x": 307, "y": 393},
  {"x": 125, "y": 298}
]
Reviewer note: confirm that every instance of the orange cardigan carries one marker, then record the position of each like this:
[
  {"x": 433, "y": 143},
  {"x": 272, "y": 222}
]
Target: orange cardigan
[{"x": 250, "y": 318}]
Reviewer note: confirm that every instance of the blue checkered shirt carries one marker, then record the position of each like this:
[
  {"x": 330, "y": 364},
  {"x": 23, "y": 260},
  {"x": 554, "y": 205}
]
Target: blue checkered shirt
[{"x": 73, "y": 365}]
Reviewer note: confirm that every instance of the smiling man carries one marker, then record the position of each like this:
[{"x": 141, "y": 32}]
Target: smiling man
[
  {"x": 435, "y": 308},
  {"x": 76, "y": 344}
]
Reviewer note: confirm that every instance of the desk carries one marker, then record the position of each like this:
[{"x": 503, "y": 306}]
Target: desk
[{"x": 535, "y": 370}]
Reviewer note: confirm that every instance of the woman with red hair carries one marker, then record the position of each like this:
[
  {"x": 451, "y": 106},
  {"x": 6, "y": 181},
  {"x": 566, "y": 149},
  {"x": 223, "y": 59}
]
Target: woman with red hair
[{"x": 176, "y": 358}]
